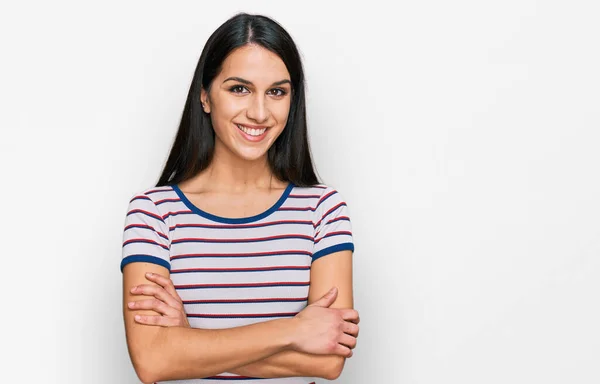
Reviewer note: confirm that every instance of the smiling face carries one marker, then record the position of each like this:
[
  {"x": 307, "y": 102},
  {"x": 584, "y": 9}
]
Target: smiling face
[{"x": 249, "y": 102}]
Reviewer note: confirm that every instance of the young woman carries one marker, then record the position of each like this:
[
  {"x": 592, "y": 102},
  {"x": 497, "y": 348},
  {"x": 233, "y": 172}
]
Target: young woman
[{"x": 238, "y": 264}]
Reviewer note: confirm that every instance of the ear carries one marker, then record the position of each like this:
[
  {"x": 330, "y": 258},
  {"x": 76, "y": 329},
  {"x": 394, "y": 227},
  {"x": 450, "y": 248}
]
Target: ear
[{"x": 204, "y": 100}]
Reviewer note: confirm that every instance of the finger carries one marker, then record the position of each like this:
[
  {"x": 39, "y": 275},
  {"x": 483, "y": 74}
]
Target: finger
[
  {"x": 159, "y": 293},
  {"x": 342, "y": 350},
  {"x": 348, "y": 341},
  {"x": 155, "y": 320},
  {"x": 350, "y": 315},
  {"x": 155, "y": 305},
  {"x": 351, "y": 329},
  {"x": 327, "y": 299},
  {"x": 164, "y": 282}
]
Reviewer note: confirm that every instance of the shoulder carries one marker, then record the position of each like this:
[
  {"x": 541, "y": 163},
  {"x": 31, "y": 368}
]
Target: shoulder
[
  {"x": 155, "y": 194},
  {"x": 152, "y": 198},
  {"x": 318, "y": 191},
  {"x": 324, "y": 199}
]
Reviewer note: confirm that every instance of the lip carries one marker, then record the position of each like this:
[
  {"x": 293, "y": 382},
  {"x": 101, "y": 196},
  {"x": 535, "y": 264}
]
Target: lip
[
  {"x": 246, "y": 136},
  {"x": 252, "y": 126}
]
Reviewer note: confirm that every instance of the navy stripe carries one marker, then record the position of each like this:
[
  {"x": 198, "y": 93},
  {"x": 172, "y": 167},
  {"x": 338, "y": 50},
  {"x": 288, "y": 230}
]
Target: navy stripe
[
  {"x": 177, "y": 214},
  {"x": 341, "y": 218},
  {"x": 227, "y": 255},
  {"x": 144, "y": 259},
  {"x": 241, "y": 226},
  {"x": 144, "y": 226},
  {"x": 326, "y": 197},
  {"x": 244, "y": 286},
  {"x": 237, "y": 241},
  {"x": 139, "y": 198},
  {"x": 241, "y": 316},
  {"x": 297, "y": 209},
  {"x": 246, "y": 301},
  {"x": 174, "y": 200},
  {"x": 145, "y": 213},
  {"x": 158, "y": 191},
  {"x": 330, "y": 212},
  {"x": 146, "y": 241},
  {"x": 340, "y": 233},
  {"x": 305, "y": 196}
]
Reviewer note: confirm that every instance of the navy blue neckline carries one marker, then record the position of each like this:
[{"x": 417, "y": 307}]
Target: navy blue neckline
[{"x": 228, "y": 220}]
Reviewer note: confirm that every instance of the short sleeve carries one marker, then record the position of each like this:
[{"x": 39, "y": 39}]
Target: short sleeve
[
  {"x": 145, "y": 236},
  {"x": 333, "y": 229}
]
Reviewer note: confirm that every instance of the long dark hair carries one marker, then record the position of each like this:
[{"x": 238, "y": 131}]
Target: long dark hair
[{"x": 192, "y": 151}]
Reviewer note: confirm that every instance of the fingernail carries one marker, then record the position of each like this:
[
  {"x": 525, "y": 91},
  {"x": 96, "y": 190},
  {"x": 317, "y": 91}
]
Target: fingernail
[
  {"x": 133, "y": 289},
  {"x": 138, "y": 317},
  {"x": 149, "y": 274},
  {"x": 130, "y": 304}
]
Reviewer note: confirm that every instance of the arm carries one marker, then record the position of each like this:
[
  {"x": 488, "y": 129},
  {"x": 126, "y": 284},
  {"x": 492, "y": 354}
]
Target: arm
[
  {"x": 333, "y": 270},
  {"x": 170, "y": 353}
]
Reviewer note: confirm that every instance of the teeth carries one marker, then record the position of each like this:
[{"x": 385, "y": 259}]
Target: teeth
[{"x": 251, "y": 131}]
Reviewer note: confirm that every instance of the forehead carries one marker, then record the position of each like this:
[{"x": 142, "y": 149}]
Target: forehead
[{"x": 254, "y": 63}]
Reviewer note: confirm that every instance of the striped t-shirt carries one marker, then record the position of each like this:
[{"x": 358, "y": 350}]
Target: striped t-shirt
[{"x": 235, "y": 272}]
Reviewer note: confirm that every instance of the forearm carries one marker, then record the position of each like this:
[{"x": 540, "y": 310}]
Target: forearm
[
  {"x": 177, "y": 353},
  {"x": 291, "y": 363}
]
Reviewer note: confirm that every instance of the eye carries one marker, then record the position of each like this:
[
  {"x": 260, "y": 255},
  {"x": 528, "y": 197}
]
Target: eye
[
  {"x": 278, "y": 92},
  {"x": 238, "y": 89}
]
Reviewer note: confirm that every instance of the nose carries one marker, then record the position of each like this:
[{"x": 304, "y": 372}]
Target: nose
[{"x": 258, "y": 110}]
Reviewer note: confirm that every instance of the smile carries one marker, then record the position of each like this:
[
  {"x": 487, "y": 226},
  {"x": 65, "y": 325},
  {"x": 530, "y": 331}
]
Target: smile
[{"x": 251, "y": 131}]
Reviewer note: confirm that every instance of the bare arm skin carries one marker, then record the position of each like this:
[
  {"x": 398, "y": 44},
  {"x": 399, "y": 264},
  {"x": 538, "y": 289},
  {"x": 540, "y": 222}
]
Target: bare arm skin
[{"x": 175, "y": 353}]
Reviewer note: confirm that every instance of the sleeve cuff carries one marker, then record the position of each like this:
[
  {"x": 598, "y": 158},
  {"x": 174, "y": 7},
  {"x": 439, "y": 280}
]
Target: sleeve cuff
[
  {"x": 145, "y": 259},
  {"x": 332, "y": 249}
]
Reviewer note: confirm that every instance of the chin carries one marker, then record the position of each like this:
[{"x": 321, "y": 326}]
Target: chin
[{"x": 251, "y": 154}]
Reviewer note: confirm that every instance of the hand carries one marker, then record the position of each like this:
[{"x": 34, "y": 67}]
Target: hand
[
  {"x": 326, "y": 331},
  {"x": 166, "y": 301}
]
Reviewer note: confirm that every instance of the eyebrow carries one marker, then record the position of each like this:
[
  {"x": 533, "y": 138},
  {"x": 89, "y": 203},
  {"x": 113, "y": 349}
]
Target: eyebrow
[{"x": 248, "y": 82}]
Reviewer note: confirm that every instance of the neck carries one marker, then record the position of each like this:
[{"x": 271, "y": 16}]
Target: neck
[{"x": 229, "y": 173}]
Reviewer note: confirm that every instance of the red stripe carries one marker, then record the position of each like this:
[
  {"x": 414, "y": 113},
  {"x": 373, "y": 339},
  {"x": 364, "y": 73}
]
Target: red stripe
[
  {"x": 337, "y": 219},
  {"x": 233, "y": 315},
  {"x": 242, "y": 285},
  {"x": 242, "y": 301},
  {"x": 212, "y": 240},
  {"x": 234, "y": 226},
  {"x": 144, "y": 241},
  {"x": 334, "y": 234},
  {"x": 328, "y": 212},
  {"x": 250, "y": 254},
  {"x": 175, "y": 213},
  {"x": 140, "y": 198},
  {"x": 146, "y": 213},
  {"x": 146, "y": 227},
  {"x": 325, "y": 197},
  {"x": 167, "y": 200},
  {"x": 165, "y": 189}
]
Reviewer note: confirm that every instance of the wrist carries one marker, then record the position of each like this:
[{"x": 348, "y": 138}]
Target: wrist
[{"x": 288, "y": 338}]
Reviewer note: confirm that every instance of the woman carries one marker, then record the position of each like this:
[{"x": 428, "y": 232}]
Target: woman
[{"x": 247, "y": 256}]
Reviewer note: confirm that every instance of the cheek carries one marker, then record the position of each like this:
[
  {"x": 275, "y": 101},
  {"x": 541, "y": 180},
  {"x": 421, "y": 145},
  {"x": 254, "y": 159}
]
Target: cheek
[
  {"x": 281, "y": 113},
  {"x": 224, "y": 111}
]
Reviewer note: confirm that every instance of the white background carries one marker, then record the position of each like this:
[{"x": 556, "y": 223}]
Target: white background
[{"x": 464, "y": 135}]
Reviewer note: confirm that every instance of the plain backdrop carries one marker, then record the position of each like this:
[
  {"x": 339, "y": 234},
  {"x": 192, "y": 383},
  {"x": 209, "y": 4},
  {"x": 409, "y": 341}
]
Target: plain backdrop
[{"x": 464, "y": 135}]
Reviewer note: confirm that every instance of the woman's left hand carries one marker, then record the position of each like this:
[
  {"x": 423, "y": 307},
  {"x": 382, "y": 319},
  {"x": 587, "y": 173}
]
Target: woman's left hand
[{"x": 165, "y": 301}]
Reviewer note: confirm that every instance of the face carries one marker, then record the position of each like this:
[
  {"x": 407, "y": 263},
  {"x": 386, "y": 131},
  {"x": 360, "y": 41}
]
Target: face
[{"x": 249, "y": 102}]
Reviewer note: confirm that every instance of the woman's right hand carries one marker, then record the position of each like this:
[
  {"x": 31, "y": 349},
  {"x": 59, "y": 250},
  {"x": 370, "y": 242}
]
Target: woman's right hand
[{"x": 326, "y": 331}]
